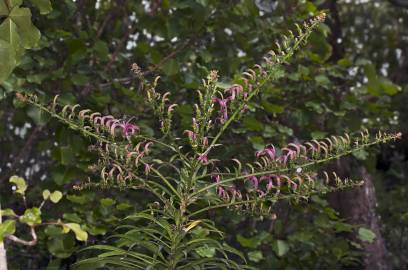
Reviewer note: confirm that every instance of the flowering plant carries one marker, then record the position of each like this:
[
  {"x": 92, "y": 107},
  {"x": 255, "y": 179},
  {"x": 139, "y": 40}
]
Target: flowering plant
[{"x": 182, "y": 177}]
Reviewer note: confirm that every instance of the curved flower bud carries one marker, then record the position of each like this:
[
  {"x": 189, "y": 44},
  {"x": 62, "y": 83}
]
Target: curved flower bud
[
  {"x": 147, "y": 168},
  {"x": 216, "y": 178},
  {"x": 254, "y": 181},
  {"x": 269, "y": 152},
  {"x": 203, "y": 158},
  {"x": 191, "y": 135},
  {"x": 147, "y": 146},
  {"x": 205, "y": 141},
  {"x": 234, "y": 91},
  {"x": 171, "y": 108}
]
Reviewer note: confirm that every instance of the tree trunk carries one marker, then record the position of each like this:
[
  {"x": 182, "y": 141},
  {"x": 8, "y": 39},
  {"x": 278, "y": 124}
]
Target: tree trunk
[
  {"x": 3, "y": 257},
  {"x": 358, "y": 207}
]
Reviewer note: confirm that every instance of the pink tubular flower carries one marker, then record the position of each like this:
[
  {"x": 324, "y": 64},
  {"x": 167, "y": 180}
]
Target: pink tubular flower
[
  {"x": 147, "y": 169},
  {"x": 128, "y": 128},
  {"x": 234, "y": 91},
  {"x": 223, "y": 108},
  {"x": 171, "y": 108},
  {"x": 254, "y": 181},
  {"x": 269, "y": 152},
  {"x": 270, "y": 184},
  {"x": 221, "y": 192},
  {"x": 191, "y": 135},
  {"x": 205, "y": 141},
  {"x": 147, "y": 147},
  {"x": 261, "y": 193},
  {"x": 203, "y": 158}
]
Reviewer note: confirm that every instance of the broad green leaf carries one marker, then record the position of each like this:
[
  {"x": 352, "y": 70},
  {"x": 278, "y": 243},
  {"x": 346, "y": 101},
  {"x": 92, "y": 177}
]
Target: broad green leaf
[
  {"x": 123, "y": 206},
  {"x": 56, "y": 196},
  {"x": 361, "y": 154},
  {"x": 28, "y": 33},
  {"x": 43, "y": 5},
  {"x": 252, "y": 124},
  {"x": 61, "y": 246},
  {"x": 373, "y": 85},
  {"x": 255, "y": 256},
  {"x": 80, "y": 79},
  {"x": 53, "y": 230},
  {"x": 107, "y": 202},
  {"x": 366, "y": 235},
  {"x": 31, "y": 216},
  {"x": 7, "y": 212},
  {"x": 9, "y": 33},
  {"x": 272, "y": 108},
  {"x": 8, "y": 60},
  {"x": 20, "y": 183},
  {"x": 73, "y": 217},
  {"x": 171, "y": 68},
  {"x": 8, "y": 227},
  {"x": 206, "y": 251},
  {"x": 17, "y": 33},
  {"x": 77, "y": 199},
  {"x": 389, "y": 87},
  {"x": 249, "y": 242},
  {"x": 39, "y": 117},
  {"x": 80, "y": 234},
  {"x": 5, "y": 8},
  {"x": 280, "y": 247},
  {"x": 46, "y": 194}
]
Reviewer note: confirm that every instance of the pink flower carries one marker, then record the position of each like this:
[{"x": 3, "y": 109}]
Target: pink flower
[
  {"x": 221, "y": 192},
  {"x": 129, "y": 129},
  {"x": 234, "y": 91},
  {"x": 216, "y": 178},
  {"x": 269, "y": 151},
  {"x": 147, "y": 147},
  {"x": 268, "y": 178},
  {"x": 254, "y": 181},
  {"x": 203, "y": 158},
  {"x": 171, "y": 108},
  {"x": 191, "y": 135},
  {"x": 205, "y": 141},
  {"x": 223, "y": 108},
  {"x": 147, "y": 169}
]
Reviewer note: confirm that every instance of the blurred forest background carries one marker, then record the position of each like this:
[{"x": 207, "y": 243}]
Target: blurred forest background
[{"x": 352, "y": 74}]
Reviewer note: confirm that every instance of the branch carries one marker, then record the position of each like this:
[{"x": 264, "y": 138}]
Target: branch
[
  {"x": 24, "y": 152},
  {"x": 151, "y": 69},
  {"x": 31, "y": 243},
  {"x": 400, "y": 3}
]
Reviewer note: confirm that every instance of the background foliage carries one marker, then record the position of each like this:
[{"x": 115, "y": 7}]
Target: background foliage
[{"x": 352, "y": 75}]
